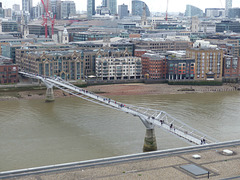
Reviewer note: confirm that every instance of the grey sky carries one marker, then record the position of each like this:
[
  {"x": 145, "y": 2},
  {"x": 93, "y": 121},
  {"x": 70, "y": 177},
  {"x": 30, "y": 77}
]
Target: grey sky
[{"x": 154, "y": 5}]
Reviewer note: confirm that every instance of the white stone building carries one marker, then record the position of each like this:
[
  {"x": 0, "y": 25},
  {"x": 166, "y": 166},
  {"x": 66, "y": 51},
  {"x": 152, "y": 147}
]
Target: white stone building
[
  {"x": 65, "y": 39},
  {"x": 110, "y": 68}
]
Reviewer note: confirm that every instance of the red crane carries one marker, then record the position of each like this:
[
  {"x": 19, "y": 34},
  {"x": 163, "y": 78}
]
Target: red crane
[
  {"x": 48, "y": 16},
  {"x": 167, "y": 12},
  {"x": 45, "y": 24}
]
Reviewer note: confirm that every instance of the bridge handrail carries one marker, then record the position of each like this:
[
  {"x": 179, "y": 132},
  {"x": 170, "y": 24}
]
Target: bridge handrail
[
  {"x": 198, "y": 134},
  {"x": 156, "y": 117}
]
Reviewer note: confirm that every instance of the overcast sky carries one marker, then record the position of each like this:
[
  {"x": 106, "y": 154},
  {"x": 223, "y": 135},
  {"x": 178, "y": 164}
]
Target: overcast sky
[{"x": 154, "y": 5}]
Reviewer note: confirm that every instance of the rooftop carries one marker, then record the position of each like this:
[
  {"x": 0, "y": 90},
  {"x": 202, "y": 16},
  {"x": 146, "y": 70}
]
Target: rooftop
[
  {"x": 152, "y": 56},
  {"x": 218, "y": 161},
  {"x": 5, "y": 60}
]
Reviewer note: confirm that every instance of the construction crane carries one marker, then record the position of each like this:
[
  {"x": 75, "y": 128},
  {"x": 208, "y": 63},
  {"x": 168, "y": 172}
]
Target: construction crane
[
  {"x": 166, "y": 18},
  {"x": 45, "y": 25},
  {"x": 48, "y": 15}
]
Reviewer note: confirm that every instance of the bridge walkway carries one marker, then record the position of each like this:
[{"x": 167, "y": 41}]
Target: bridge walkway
[{"x": 154, "y": 117}]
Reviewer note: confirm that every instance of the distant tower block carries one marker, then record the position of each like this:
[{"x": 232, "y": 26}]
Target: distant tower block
[
  {"x": 227, "y": 6},
  {"x": 195, "y": 23},
  {"x": 112, "y": 5},
  {"x": 144, "y": 16},
  {"x": 104, "y": 3},
  {"x": 90, "y": 8}
]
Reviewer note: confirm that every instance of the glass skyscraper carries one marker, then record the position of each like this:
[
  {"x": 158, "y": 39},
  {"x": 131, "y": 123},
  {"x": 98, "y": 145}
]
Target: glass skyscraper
[
  {"x": 112, "y": 5},
  {"x": 90, "y": 8},
  {"x": 227, "y": 6},
  {"x": 193, "y": 11},
  {"x": 26, "y": 5},
  {"x": 122, "y": 10},
  {"x": 104, "y": 3},
  {"x": 137, "y": 8}
]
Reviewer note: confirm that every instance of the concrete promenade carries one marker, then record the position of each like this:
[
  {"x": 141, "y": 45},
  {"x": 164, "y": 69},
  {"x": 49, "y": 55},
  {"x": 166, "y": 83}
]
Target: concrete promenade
[{"x": 167, "y": 164}]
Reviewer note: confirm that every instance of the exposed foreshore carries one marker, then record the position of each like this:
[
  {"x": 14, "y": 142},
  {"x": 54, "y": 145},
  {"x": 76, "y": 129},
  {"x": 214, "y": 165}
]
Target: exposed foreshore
[
  {"x": 155, "y": 89},
  {"x": 117, "y": 89}
]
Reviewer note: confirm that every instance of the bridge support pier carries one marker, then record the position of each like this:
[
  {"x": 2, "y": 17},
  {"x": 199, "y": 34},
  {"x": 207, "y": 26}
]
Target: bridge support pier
[
  {"x": 49, "y": 92},
  {"x": 49, "y": 95},
  {"x": 150, "y": 143}
]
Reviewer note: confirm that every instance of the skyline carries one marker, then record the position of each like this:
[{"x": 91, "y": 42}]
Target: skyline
[{"x": 157, "y": 6}]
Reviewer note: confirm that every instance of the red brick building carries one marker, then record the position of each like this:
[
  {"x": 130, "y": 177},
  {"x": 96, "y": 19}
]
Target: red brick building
[
  {"x": 154, "y": 66},
  {"x": 231, "y": 67},
  {"x": 180, "y": 67},
  {"x": 8, "y": 71},
  {"x": 140, "y": 52}
]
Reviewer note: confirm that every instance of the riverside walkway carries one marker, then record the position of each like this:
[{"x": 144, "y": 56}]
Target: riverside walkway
[{"x": 149, "y": 117}]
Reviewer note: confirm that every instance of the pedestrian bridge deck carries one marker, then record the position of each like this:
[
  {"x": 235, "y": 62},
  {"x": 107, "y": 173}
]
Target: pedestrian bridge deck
[{"x": 151, "y": 116}]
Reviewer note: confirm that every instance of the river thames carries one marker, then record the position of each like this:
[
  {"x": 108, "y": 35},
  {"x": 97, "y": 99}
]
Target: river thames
[{"x": 34, "y": 133}]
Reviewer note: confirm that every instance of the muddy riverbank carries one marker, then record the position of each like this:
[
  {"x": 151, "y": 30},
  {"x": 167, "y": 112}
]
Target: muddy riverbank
[{"x": 117, "y": 89}]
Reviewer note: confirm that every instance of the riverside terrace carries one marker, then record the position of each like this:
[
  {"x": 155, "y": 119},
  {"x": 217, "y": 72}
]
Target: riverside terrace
[{"x": 215, "y": 161}]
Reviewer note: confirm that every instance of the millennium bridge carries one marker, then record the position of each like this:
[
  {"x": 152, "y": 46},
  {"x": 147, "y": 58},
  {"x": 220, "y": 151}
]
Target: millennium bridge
[{"x": 151, "y": 118}]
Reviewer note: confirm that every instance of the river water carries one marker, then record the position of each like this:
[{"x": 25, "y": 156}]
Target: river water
[{"x": 34, "y": 133}]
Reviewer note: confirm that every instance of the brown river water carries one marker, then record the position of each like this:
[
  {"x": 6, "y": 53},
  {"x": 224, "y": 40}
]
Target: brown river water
[{"x": 34, "y": 133}]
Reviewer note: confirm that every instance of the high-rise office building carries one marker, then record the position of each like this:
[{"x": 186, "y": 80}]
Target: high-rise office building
[
  {"x": 54, "y": 7},
  {"x": 36, "y": 11},
  {"x": 67, "y": 9},
  {"x": 195, "y": 23},
  {"x": 16, "y": 7},
  {"x": 137, "y": 8},
  {"x": 123, "y": 10},
  {"x": 90, "y": 8},
  {"x": 234, "y": 13},
  {"x": 214, "y": 12},
  {"x": 8, "y": 13},
  {"x": 47, "y": 4},
  {"x": 27, "y": 10},
  {"x": 26, "y": 5},
  {"x": 104, "y": 3},
  {"x": 193, "y": 11},
  {"x": 112, "y": 5},
  {"x": 1, "y": 11},
  {"x": 227, "y": 6}
]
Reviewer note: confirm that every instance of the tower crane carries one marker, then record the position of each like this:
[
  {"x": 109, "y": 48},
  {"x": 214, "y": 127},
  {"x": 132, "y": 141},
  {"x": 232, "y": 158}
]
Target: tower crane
[
  {"x": 48, "y": 15},
  {"x": 166, "y": 18}
]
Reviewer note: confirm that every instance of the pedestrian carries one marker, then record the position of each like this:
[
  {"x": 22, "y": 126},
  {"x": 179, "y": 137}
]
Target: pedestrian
[{"x": 171, "y": 125}]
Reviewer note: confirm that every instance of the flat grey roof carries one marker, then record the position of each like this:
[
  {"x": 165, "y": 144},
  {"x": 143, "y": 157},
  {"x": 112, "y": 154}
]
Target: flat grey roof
[{"x": 195, "y": 170}]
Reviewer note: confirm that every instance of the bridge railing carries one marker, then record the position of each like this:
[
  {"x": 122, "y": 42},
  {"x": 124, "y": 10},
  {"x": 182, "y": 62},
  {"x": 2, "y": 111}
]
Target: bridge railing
[
  {"x": 85, "y": 94},
  {"x": 163, "y": 119},
  {"x": 155, "y": 117}
]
